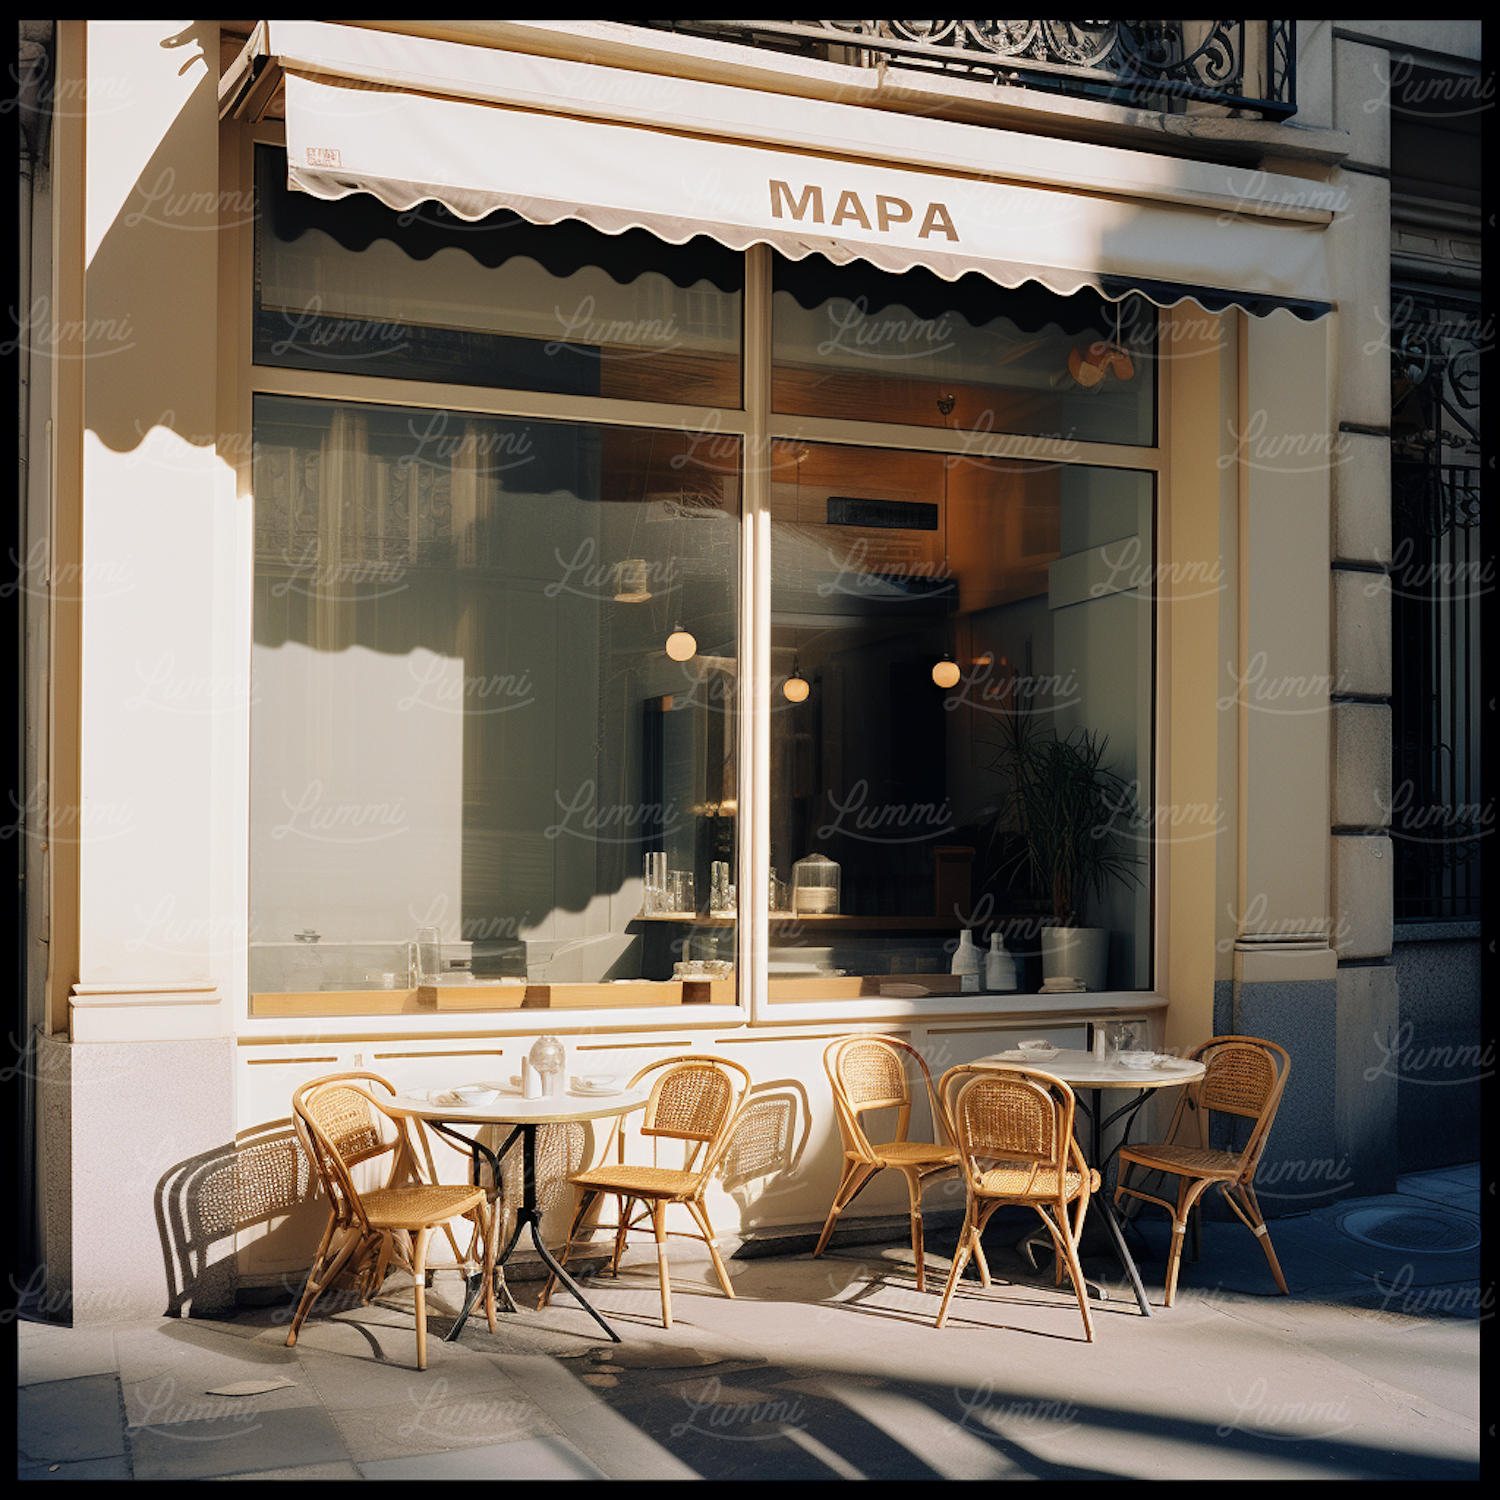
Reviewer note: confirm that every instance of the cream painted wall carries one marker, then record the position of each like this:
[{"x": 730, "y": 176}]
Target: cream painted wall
[{"x": 162, "y": 689}]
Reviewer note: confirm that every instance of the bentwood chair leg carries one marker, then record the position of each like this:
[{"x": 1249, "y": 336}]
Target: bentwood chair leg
[
  {"x": 663, "y": 1270},
  {"x": 316, "y": 1287},
  {"x": 626, "y": 1205},
  {"x": 966, "y": 1235},
  {"x": 851, "y": 1185},
  {"x": 981, "y": 1262},
  {"x": 1259, "y": 1230},
  {"x": 419, "y": 1287},
  {"x": 1066, "y": 1246},
  {"x": 914, "y": 1191},
  {"x": 701, "y": 1215},
  {"x": 1187, "y": 1197}
]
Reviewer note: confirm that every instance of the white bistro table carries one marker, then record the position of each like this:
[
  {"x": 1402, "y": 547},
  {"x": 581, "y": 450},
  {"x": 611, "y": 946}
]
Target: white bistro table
[
  {"x": 1083, "y": 1071},
  {"x": 527, "y": 1116}
]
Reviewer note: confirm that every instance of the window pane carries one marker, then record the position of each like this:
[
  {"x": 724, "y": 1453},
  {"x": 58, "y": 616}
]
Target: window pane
[
  {"x": 358, "y": 287},
  {"x": 866, "y": 345},
  {"x": 1033, "y": 582},
  {"x": 458, "y": 721}
]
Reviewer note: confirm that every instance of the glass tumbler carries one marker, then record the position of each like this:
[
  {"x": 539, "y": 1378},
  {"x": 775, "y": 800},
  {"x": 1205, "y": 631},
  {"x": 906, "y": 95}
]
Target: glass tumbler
[{"x": 655, "y": 877}]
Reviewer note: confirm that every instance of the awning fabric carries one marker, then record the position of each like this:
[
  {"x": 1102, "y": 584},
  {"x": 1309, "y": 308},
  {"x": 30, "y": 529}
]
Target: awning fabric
[{"x": 353, "y": 135}]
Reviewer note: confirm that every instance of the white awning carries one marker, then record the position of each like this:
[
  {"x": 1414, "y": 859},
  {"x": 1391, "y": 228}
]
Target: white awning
[{"x": 358, "y": 122}]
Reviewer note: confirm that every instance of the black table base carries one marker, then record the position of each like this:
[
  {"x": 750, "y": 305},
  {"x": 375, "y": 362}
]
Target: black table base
[{"x": 527, "y": 1216}]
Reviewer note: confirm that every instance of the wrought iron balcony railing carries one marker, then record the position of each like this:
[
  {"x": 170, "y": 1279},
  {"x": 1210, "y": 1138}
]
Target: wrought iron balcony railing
[{"x": 1176, "y": 67}]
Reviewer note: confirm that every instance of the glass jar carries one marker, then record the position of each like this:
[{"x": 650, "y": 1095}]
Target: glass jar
[{"x": 815, "y": 886}]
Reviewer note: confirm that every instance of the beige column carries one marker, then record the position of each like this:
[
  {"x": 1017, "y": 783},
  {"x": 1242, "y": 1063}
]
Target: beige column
[
  {"x": 1196, "y": 585},
  {"x": 136, "y": 1102}
]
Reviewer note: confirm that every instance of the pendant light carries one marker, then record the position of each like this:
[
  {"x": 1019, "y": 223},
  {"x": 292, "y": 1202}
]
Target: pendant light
[
  {"x": 796, "y": 688},
  {"x": 681, "y": 644},
  {"x": 945, "y": 672}
]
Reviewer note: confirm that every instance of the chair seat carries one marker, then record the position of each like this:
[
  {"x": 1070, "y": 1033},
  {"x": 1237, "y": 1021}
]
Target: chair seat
[
  {"x": 639, "y": 1182},
  {"x": 1017, "y": 1181},
  {"x": 914, "y": 1153},
  {"x": 420, "y": 1206},
  {"x": 1194, "y": 1161}
]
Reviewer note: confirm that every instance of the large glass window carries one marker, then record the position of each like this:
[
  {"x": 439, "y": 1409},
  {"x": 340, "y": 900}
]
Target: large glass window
[
  {"x": 962, "y": 653},
  {"x": 465, "y": 713},
  {"x": 355, "y": 287},
  {"x": 496, "y": 669},
  {"x": 870, "y": 346}
]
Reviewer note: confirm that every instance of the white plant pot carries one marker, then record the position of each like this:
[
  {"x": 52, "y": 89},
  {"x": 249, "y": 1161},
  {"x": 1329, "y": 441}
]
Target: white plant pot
[{"x": 1082, "y": 952}]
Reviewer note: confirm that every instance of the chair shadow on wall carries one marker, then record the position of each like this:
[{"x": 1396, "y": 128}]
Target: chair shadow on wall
[
  {"x": 204, "y": 1203},
  {"x": 767, "y": 1145}
]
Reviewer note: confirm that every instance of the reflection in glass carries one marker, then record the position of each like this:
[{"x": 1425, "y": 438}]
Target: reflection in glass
[
  {"x": 866, "y": 345},
  {"x": 356, "y": 287},
  {"x": 1034, "y": 580},
  {"x": 455, "y": 722}
]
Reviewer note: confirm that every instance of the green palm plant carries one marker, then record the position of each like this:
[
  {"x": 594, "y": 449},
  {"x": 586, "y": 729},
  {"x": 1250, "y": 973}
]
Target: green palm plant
[{"x": 1059, "y": 815}]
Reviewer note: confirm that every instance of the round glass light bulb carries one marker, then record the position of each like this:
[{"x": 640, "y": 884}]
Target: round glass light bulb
[
  {"x": 795, "y": 689},
  {"x": 681, "y": 646},
  {"x": 945, "y": 673}
]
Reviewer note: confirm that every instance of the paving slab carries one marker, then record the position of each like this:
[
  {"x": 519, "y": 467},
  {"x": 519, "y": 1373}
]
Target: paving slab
[
  {"x": 236, "y": 1444},
  {"x": 48, "y": 1351},
  {"x": 529, "y": 1458},
  {"x": 434, "y": 1419},
  {"x": 63, "y": 1420},
  {"x": 88, "y": 1468}
]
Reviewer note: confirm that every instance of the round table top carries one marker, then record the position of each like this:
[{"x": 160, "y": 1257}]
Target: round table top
[
  {"x": 511, "y": 1109},
  {"x": 1081, "y": 1069}
]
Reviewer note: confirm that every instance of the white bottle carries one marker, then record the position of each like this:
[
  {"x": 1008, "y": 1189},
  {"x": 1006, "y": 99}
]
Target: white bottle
[
  {"x": 966, "y": 963},
  {"x": 999, "y": 967}
]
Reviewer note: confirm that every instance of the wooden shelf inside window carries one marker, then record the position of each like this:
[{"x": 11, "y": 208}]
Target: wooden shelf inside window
[
  {"x": 823, "y": 922},
  {"x": 428, "y": 999}
]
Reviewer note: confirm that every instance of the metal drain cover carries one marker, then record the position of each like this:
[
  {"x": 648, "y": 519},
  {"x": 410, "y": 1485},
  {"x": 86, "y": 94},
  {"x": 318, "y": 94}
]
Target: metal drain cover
[{"x": 1424, "y": 1231}]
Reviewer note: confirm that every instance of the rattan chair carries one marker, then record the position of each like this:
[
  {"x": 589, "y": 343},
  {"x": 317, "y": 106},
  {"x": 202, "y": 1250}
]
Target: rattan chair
[
  {"x": 695, "y": 1100},
  {"x": 868, "y": 1073},
  {"x": 342, "y": 1125},
  {"x": 1014, "y": 1134},
  {"x": 1246, "y": 1077}
]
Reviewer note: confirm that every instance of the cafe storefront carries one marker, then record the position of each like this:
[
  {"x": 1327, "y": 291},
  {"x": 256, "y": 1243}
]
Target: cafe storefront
[{"x": 665, "y": 565}]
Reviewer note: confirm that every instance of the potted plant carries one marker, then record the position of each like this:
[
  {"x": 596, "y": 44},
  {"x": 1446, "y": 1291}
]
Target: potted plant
[{"x": 1057, "y": 824}]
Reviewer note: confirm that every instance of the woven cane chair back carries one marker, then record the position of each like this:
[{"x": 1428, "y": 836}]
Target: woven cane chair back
[
  {"x": 1013, "y": 1118},
  {"x": 336, "y": 1120},
  {"x": 693, "y": 1099},
  {"x": 873, "y": 1073},
  {"x": 1239, "y": 1080}
]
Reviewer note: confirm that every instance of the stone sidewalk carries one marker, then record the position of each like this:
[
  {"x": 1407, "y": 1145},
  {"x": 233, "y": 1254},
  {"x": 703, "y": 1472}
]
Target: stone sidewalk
[{"x": 829, "y": 1369}]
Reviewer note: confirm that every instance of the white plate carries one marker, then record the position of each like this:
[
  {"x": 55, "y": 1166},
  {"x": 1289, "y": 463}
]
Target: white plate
[
  {"x": 595, "y": 1093},
  {"x": 1137, "y": 1059}
]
